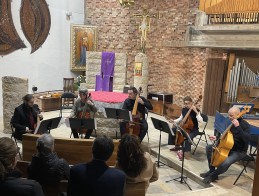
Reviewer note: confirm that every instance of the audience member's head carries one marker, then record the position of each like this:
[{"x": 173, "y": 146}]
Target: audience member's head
[
  {"x": 8, "y": 152},
  {"x": 45, "y": 144},
  {"x": 102, "y": 148},
  {"x": 130, "y": 155},
  {"x": 28, "y": 100}
]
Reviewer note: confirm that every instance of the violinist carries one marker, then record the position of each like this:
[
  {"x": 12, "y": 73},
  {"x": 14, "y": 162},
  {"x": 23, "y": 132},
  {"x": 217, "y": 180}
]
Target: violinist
[
  {"x": 143, "y": 104},
  {"x": 241, "y": 136},
  {"x": 195, "y": 117},
  {"x": 25, "y": 116},
  {"x": 83, "y": 108}
]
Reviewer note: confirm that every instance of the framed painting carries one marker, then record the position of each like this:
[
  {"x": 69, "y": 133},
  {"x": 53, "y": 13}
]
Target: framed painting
[{"x": 83, "y": 38}]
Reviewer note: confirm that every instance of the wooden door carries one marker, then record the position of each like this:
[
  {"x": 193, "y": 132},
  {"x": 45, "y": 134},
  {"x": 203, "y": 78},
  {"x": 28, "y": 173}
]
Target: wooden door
[{"x": 213, "y": 91}]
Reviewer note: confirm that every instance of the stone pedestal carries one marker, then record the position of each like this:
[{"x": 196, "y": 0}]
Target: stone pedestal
[
  {"x": 141, "y": 72},
  {"x": 13, "y": 91}
]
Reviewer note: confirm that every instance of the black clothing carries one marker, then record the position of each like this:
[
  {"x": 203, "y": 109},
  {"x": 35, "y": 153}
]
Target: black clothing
[
  {"x": 96, "y": 179},
  {"x": 241, "y": 136},
  {"x": 21, "y": 119},
  {"x": 193, "y": 117},
  {"x": 48, "y": 170},
  {"x": 128, "y": 105},
  {"x": 13, "y": 185}
]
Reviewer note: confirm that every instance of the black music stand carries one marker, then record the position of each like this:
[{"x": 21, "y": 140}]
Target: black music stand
[
  {"x": 82, "y": 123},
  {"x": 161, "y": 126},
  {"x": 46, "y": 125},
  {"x": 186, "y": 137},
  {"x": 119, "y": 114}
]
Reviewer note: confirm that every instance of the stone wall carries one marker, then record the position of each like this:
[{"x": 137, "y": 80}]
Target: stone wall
[
  {"x": 93, "y": 68},
  {"x": 173, "y": 67},
  {"x": 13, "y": 91}
]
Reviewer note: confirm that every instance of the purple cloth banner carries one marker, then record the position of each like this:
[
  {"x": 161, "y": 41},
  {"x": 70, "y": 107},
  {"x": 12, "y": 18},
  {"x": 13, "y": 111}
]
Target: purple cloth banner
[
  {"x": 104, "y": 83},
  {"x": 107, "y": 64}
]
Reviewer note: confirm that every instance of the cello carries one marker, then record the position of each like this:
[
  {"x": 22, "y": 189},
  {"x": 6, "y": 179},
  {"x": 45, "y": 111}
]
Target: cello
[
  {"x": 84, "y": 115},
  {"x": 134, "y": 126},
  {"x": 226, "y": 143},
  {"x": 186, "y": 124}
]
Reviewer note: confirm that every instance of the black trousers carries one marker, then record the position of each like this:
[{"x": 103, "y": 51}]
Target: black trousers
[
  {"x": 143, "y": 128},
  {"x": 232, "y": 158},
  {"x": 87, "y": 134}
]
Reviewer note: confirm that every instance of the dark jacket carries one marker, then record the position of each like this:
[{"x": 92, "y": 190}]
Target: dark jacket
[
  {"x": 48, "y": 170},
  {"x": 192, "y": 116},
  {"x": 241, "y": 136},
  {"x": 13, "y": 185},
  {"x": 21, "y": 120},
  {"x": 129, "y": 104},
  {"x": 96, "y": 179}
]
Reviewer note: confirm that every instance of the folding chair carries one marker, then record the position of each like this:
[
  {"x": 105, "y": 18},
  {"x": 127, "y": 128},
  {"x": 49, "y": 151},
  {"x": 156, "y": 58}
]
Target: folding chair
[
  {"x": 15, "y": 140},
  {"x": 66, "y": 105},
  {"x": 201, "y": 133},
  {"x": 249, "y": 157}
]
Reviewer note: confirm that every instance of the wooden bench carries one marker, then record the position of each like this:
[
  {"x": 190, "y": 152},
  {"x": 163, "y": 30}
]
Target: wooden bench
[
  {"x": 74, "y": 151},
  {"x": 135, "y": 189}
]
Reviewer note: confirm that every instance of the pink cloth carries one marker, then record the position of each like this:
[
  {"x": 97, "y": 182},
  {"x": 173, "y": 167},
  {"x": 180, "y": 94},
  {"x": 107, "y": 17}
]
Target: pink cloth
[{"x": 108, "y": 97}]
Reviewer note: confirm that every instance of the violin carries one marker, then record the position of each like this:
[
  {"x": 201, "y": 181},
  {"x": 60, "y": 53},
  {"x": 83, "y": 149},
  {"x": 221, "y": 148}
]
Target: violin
[
  {"x": 226, "y": 143},
  {"x": 134, "y": 126}
]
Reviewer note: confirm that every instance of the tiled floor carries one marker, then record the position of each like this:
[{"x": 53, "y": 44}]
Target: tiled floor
[{"x": 192, "y": 167}]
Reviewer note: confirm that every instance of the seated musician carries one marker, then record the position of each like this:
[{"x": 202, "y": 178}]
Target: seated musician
[
  {"x": 142, "y": 105},
  {"x": 83, "y": 108},
  {"x": 240, "y": 131},
  {"x": 195, "y": 118},
  {"x": 24, "y": 119}
]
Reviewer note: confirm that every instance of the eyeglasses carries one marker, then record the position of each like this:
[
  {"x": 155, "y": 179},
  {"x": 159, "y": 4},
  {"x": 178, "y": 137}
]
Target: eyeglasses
[{"x": 187, "y": 103}]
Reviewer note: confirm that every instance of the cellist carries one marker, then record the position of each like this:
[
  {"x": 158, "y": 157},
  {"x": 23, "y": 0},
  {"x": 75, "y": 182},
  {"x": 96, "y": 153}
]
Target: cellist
[
  {"x": 241, "y": 136},
  {"x": 142, "y": 104},
  {"x": 83, "y": 108},
  {"x": 195, "y": 117}
]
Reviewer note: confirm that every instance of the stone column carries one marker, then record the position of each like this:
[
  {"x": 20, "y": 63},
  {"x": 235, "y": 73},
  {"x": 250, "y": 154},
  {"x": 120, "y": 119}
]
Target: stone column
[
  {"x": 141, "y": 72},
  {"x": 13, "y": 91}
]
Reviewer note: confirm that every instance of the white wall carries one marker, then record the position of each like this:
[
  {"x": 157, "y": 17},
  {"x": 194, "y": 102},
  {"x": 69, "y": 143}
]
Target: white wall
[{"x": 46, "y": 67}]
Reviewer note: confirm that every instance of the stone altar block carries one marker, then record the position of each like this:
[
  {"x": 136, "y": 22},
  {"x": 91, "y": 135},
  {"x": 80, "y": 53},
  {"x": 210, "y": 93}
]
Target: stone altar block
[
  {"x": 13, "y": 91},
  {"x": 103, "y": 100}
]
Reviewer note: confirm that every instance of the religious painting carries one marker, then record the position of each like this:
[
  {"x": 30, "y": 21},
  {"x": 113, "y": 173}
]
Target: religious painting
[
  {"x": 138, "y": 69},
  {"x": 83, "y": 38}
]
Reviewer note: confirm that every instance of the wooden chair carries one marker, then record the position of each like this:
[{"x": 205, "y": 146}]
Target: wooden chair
[
  {"x": 22, "y": 166},
  {"x": 74, "y": 151},
  {"x": 135, "y": 189},
  {"x": 68, "y": 86}
]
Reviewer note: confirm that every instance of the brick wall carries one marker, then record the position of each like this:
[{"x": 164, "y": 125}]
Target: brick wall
[{"x": 172, "y": 68}]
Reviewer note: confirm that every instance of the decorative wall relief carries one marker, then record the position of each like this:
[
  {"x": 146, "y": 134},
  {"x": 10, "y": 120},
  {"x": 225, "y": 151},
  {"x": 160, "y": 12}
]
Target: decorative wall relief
[
  {"x": 9, "y": 38},
  {"x": 35, "y": 21}
]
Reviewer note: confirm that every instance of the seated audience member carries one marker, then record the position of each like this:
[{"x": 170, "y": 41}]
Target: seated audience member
[
  {"x": 96, "y": 178},
  {"x": 10, "y": 182},
  {"x": 136, "y": 163},
  {"x": 46, "y": 167},
  {"x": 24, "y": 119}
]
